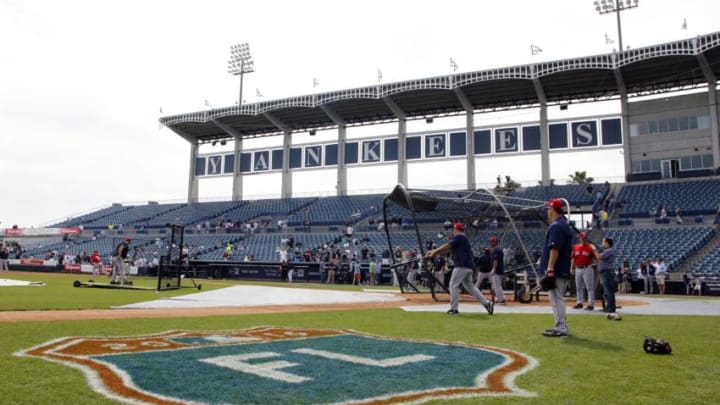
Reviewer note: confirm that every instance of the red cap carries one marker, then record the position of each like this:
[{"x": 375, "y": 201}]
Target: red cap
[
  {"x": 459, "y": 226},
  {"x": 556, "y": 204},
  {"x": 494, "y": 240},
  {"x": 128, "y": 240},
  {"x": 582, "y": 235}
]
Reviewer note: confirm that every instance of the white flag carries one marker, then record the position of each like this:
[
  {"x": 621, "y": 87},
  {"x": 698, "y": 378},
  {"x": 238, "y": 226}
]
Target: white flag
[
  {"x": 257, "y": 93},
  {"x": 379, "y": 76},
  {"x": 608, "y": 40},
  {"x": 534, "y": 49},
  {"x": 684, "y": 26},
  {"x": 207, "y": 103},
  {"x": 453, "y": 65},
  {"x": 315, "y": 83}
]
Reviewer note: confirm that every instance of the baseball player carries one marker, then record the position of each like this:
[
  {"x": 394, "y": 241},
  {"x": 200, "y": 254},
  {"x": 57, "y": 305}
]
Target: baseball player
[
  {"x": 118, "y": 262},
  {"x": 484, "y": 266},
  {"x": 555, "y": 264},
  {"x": 96, "y": 262},
  {"x": 583, "y": 257},
  {"x": 462, "y": 255},
  {"x": 498, "y": 269}
]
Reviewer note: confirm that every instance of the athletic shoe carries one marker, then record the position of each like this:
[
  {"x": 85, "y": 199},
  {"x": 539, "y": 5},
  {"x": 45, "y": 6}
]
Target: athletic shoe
[
  {"x": 554, "y": 333},
  {"x": 589, "y": 308},
  {"x": 578, "y": 306},
  {"x": 452, "y": 312},
  {"x": 489, "y": 307}
]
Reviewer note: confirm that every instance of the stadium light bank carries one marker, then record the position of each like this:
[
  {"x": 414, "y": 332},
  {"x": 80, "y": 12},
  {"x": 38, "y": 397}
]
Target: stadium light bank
[
  {"x": 615, "y": 6},
  {"x": 240, "y": 63}
]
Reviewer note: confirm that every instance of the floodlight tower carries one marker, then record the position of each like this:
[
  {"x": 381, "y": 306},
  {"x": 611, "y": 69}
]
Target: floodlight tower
[
  {"x": 240, "y": 63},
  {"x": 615, "y": 6}
]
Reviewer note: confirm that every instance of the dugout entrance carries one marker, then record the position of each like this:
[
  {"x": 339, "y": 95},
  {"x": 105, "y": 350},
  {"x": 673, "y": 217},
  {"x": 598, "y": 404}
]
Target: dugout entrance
[{"x": 417, "y": 219}]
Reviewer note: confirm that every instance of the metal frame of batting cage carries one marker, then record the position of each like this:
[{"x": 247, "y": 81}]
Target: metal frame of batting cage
[
  {"x": 174, "y": 265},
  {"x": 404, "y": 198}
]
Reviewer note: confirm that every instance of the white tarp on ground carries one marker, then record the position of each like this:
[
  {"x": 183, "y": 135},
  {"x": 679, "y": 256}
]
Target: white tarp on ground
[
  {"x": 245, "y": 296},
  {"x": 12, "y": 283},
  {"x": 649, "y": 306}
]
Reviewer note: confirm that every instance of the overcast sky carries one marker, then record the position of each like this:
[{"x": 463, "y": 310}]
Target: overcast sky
[{"x": 82, "y": 82}]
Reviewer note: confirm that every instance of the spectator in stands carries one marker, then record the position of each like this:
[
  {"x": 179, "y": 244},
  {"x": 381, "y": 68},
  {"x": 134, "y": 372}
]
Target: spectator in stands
[
  {"x": 661, "y": 273},
  {"x": 331, "y": 270},
  {"x": 372, "y": 272},
  {"x": 696, "y": 285},
  {"x": 678, "y": 216},
  {"x": 356, "y": 271},
  {"x": 650, "y": 276},
  {"x": 4, "y": 255},
  {"x": 625, "y": 278},
  {"x": 447, "y": 225},
  {"x": 642, "y": 275}
]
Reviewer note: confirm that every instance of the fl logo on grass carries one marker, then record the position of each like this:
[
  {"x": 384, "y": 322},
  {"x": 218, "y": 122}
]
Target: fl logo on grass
[{"x": 275, "y": 365}]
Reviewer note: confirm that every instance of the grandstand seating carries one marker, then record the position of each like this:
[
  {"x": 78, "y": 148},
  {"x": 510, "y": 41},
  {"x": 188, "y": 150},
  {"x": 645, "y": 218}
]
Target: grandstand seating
[
  {"x": 193, "y": 213},
  {"x": 337, "y": 210},
  {"x": 633, "y": 242},
  {"x": 673, "y": 244},
  {"x": 575, "y": 194},
  {"x": 709, "y": 264},
  {"x": 278, "y": 207},
  {"x": 692, "y": 197},
  {"x": 92, "y": 216},
  {"x": 134, "y": 215}
]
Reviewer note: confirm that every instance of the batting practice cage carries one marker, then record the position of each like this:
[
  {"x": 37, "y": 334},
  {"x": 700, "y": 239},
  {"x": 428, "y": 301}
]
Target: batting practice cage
[
  {"x": 419, "y": 220},
  {"x": 173, "y": 265}
]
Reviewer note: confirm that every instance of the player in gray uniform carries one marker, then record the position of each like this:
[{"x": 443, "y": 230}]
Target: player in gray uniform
[
  {"x": 119, "y": 268},
  {"x": 462, "y": 255}
]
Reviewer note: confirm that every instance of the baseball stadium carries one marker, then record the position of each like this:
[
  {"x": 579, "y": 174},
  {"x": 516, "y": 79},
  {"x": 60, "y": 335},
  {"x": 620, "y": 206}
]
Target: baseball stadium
[{"x": 350, "y": 298}]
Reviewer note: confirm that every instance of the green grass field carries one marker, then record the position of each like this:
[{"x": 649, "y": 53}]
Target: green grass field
[{"x": 601, "y": 362}]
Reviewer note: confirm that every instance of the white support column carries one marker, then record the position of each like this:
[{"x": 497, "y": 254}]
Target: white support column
[
  {"x": 193, "y": 189},
  {"x": 402, "y": 135},
  {"x": 237, "y": 194},
  {"x": 625, "y": 114},
  {"x": 341, "y": 185},
  {"x": 469, "y": 138},
  {"x": 713, "y": 108},
  {"x": 544, "y": 134},
  {"x": 237, "y": 177},
  {"x": 286, "y": 191},
  {"x": 286, "y": 187}
]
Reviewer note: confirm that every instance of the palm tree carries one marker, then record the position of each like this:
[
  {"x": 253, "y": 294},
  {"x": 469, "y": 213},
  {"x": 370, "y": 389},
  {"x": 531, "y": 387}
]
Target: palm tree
[{"x": 580, "y": 178}]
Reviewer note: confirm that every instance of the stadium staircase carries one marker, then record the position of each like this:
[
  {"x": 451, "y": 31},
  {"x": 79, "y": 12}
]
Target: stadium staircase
[{"x": 689, "y": 265}]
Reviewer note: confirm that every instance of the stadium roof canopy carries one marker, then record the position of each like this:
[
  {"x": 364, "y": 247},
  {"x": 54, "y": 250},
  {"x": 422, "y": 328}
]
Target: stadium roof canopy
[{"x": 652, "y": 69}]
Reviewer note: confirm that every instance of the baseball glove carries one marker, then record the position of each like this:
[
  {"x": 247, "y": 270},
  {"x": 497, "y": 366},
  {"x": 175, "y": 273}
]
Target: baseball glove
[
  {"x": 656, "y": 346},
  {"x": 548, "y": 282}
]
